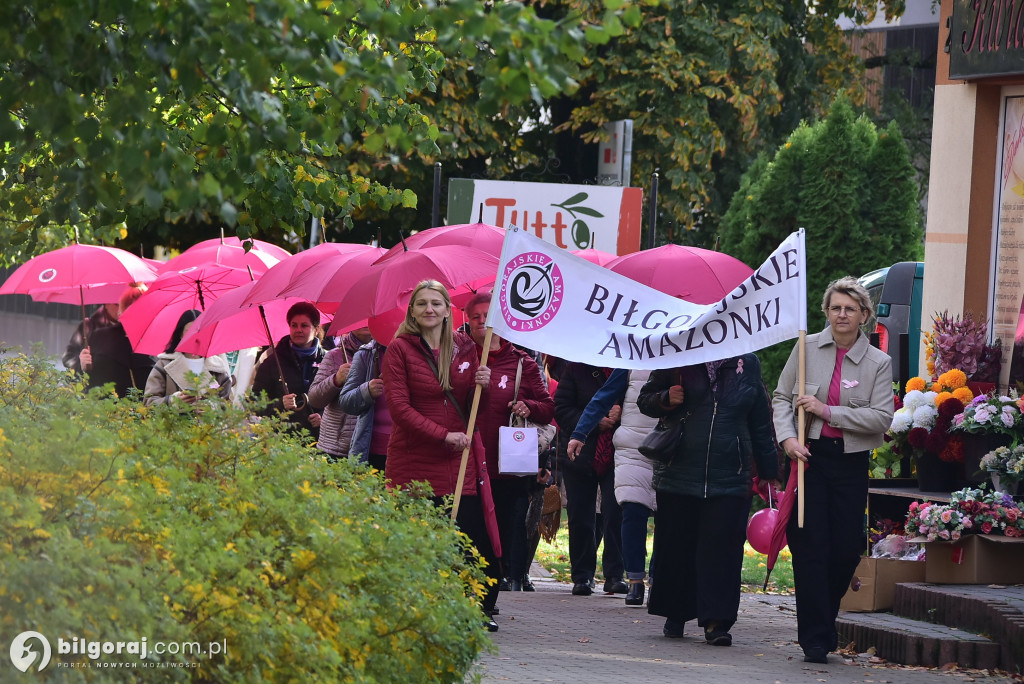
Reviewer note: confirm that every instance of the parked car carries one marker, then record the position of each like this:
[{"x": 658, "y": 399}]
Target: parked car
[{"x": 896, "y": 292}]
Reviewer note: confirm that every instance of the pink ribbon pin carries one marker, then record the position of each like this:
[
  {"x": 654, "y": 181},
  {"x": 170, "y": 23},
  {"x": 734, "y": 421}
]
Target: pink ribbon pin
[{"x": 850, "y": 383}]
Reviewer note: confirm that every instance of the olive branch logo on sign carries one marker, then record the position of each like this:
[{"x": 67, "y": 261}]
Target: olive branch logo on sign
[{"x": 580, "y": 232}]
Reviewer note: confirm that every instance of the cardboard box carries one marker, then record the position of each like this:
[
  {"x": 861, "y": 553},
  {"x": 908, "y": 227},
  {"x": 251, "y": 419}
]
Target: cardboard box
[
  {"x": 976, "y": 559},
  {"x": 875, "y": 581}
]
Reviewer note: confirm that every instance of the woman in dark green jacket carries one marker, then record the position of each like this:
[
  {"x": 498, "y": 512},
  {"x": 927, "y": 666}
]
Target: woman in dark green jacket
[{"x": 703, "y": 492}]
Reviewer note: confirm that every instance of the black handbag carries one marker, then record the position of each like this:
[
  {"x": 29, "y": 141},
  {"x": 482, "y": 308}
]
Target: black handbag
[{"x": 665, "y": 440}]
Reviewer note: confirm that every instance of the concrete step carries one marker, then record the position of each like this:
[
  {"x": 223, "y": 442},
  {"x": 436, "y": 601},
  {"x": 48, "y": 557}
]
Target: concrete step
[{"x": 914, "y": 642}]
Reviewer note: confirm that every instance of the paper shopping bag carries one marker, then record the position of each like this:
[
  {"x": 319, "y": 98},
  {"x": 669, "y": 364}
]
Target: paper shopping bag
[{"x": 517, "y": 450}]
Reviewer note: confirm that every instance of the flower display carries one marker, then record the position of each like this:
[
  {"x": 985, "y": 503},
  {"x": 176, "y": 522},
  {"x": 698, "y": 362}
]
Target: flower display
[
  {"x": 996, "y": 414},
  {"x": 923, "y": 423},
  {"x": 969, "y": 511},
  {"x": 1007, "y": 462},
  {"x": 960, "y": 343}
]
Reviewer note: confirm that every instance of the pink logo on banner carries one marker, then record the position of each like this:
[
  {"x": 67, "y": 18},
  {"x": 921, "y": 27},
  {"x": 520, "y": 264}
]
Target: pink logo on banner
[{"x": 531, "y": 291}]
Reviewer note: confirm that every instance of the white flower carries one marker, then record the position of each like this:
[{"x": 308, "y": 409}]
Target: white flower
[
  {"x": 914, "y": 399},
  {"x": 901, "y": 420},
  {"x": 1005, "y": 399},
  {"x": 1007, "y": 416},
  {"x": 983, "y": 413},
  {"x": 924, "y": 417}
]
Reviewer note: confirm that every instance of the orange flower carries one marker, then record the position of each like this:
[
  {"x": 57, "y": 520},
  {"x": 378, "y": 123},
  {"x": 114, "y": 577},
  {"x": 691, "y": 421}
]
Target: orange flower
[
  {"x": 941, "y": 397},
  {"x": 964, "y": 394},
  {"x": 955, "y": 378},
  {"x": 916, "y": 384}
]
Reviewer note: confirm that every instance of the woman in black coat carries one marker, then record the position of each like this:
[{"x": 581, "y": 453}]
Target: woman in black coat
[
  {"x": 300, "y": 355},
  {"x": 703, "y": 492}
]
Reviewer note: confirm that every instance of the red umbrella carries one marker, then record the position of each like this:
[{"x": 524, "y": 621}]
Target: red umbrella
[
  {"x": 228, "y": 252},
  {"x": 388, "y": 284},
  {"x": 700, "y": 276},
  {"x": 778, "y": 539},
  {"x": 334, "y": 273},
  {"x": 229, "y": 323},
  {"x": 482, "y": 236},
  {"x": 150, "y": 321},
  {"x": 595, "y": 256},
  {"x": 281, "y": 274}
]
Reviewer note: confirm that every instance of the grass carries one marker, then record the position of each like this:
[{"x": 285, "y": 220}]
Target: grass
[{"x": 554, "y": 558}]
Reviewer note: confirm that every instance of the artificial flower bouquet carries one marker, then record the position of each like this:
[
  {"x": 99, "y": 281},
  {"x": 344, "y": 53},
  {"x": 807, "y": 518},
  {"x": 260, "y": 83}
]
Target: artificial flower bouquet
[
  {"x": 957, "y": 342},
  {"x": 992, "y": 414},
  {"x": 969, "y": 511},
  {"x": 1006, "y": 462}
]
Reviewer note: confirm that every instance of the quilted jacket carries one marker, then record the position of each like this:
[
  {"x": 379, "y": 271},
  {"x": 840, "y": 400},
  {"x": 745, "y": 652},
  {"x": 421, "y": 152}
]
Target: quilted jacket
[
  {"x": 337, "y": 427},
  {"x": 494, "y": 410},
  {"x": 423, "y": 415}
]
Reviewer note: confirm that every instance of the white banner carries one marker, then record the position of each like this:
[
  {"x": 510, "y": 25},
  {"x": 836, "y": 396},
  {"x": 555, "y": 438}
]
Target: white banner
[{"x": 554, "y": 302}]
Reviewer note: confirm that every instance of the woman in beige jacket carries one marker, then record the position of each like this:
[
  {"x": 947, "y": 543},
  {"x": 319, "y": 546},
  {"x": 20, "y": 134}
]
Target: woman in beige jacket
[
  {"x": 172, "y": 379},
  {"x": 849, "y": 404}
]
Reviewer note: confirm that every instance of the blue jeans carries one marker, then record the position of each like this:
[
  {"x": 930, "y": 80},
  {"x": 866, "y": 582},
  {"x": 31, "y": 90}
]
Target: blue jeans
[{"x": 634, "y": 539}]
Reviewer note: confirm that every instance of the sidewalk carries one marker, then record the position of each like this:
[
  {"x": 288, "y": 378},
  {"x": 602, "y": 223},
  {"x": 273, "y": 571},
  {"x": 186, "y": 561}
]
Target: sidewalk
[{"x": 551, "y": 636}]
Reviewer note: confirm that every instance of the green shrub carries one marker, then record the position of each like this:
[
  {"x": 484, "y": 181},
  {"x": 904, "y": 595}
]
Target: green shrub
[{"x": 119, "y": 522}]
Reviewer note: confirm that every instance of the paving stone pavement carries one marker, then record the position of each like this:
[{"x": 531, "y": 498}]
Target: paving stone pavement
[{"x": 552, "y": 636}]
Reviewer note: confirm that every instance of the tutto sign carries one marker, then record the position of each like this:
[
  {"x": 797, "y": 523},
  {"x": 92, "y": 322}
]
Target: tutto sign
[
  {"x": 568, "y": 216},
  {"x": 986, "y": 38}
]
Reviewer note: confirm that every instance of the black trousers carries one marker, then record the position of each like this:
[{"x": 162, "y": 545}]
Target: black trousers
[
  {"x": 698, "y": 558},
  {"x": 470, "y": 521},
  {"x": 581, "y": 507},
  {"x": 511, "y": 499},
  {"x": 826, "y": 551}
]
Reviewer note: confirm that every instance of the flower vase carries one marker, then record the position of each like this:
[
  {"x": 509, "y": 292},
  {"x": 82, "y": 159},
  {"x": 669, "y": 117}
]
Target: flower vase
[
  {"x": 1003, "y": 485},
  {"x": 975, "y": 448},
  {"x": 936, "y": 475}
]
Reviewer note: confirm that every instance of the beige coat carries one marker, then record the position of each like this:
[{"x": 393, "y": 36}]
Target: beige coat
[
  {"x": 169, "y": 376},
  {"x": 865, "y": 405}
]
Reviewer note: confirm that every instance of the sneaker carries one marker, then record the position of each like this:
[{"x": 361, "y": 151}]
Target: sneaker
[
  {"x": 673, "y": 629},
  {"x": 504, "y": 585},
  {"x": 616, "y": 586}
]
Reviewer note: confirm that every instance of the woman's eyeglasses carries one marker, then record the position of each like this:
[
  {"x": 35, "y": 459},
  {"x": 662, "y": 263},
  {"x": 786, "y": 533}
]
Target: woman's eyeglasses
[{"x": 847, "y": 310}]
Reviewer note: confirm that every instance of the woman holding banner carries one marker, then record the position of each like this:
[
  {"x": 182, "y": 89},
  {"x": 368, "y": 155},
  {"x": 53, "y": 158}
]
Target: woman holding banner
[
  {"x": 848, "y": 394},
  {"x": 429, "y": 373}
]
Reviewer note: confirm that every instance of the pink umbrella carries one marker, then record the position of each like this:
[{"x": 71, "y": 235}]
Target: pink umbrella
[
  {"x": 778, "y": 538},
  {"x": 389, "y": 283},
  {"x": 71, "y": 273},
  {"x": 229, "y": 323},
  {"x": 595, "y": 256},
  {"x": 228, "y": 252},
  {"x": 150, "y": 321},
  {"x": 78, "y": 274},
  {"x": 281, "y": 274},
  {"x": 482, "y": 236},
  {"x": 700, "y": 276},
  {"x": 333, "y": 273}
]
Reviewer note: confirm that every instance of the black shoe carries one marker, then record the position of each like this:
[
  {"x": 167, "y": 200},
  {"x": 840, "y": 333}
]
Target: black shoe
[
  {"x": 515, "y": 585},
  {"x": 673, "y": 629},
  {"x": 527, "y": 584},
  {"x": 615, "y": 586},
  {"x": 503, "y": 585},
  {"x": 592, "y": 583},
  {"x": 491, "y": 625},
  {"x": 582, "y": 589},
  {"x": 815, "y": 655},
  {"x": 635, "y": 597},
  {"x": 716, "y": 636},
  {"x": 491, "y": 611}
]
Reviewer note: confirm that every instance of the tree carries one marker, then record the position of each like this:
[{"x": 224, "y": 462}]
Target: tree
[
  {"x": 711, "y": 85},
  {"x": 850, "y": 186},
  {"x": 121, "y": 112}
]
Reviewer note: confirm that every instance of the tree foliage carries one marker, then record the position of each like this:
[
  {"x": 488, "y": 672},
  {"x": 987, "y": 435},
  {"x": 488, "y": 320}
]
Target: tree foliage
[
  {"x": 121, "y": 112},
  {"x": 711, "y": 85},
  {"x": 849, "y": 185}
]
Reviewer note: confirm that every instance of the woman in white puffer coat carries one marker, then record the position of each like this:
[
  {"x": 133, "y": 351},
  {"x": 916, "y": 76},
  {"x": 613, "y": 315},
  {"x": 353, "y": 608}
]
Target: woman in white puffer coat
[{"x": 633, "y": 473}]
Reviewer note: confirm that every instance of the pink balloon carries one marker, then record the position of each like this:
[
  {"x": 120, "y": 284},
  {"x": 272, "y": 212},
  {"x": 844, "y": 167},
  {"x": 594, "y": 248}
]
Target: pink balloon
[{"x": 759, "y": 529}]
